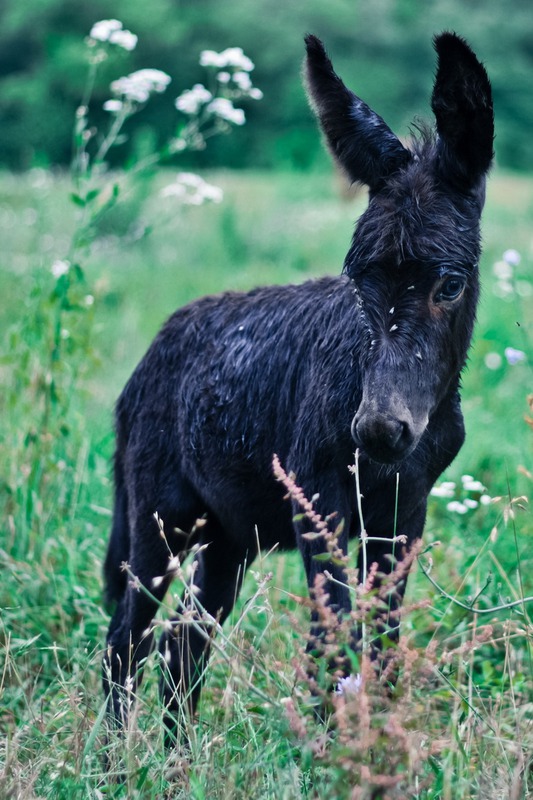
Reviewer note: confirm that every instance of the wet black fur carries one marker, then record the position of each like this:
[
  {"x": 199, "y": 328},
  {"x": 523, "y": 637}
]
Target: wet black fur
[{"x": 370, "y": 359}]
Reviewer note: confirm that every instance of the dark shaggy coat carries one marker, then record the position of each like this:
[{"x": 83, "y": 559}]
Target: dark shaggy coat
[{"x": 368, "y": 360}]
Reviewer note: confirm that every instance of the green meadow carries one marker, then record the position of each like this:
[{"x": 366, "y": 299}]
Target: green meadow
[{"x": 458, "y": 724}]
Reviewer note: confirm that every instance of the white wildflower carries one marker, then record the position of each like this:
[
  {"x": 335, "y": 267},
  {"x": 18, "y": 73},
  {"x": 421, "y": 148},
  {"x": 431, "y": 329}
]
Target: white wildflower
[
  {"x": 60, "y": 268},
  {"x": 190, "y": 179},
  {"x": 124, "y": 38},
  {"x": 493, "y": 360},
  {"x": 113, "y": 106},
  {"x": 512, "y": 257},
  {"x": 503, "y": 270},
  {"x": 139, "y": 85},
  {"x": 448, "y": 484},
  {"x": 234, "y": 57},
  {"x": 191, "y": 189},
  {"x": 190, "y": 101},
  {"x": 242, "y": 80},
  {"x": 111, "y": 30},
  {"x": 158, "y": 79},
  {"x": 212, "y": 192},
  {"x": 469, "y": 503},
  {"x": 89, "y": 300},
  {"x": 102, "y": 30},
  {"x": 442, "y": 491},
  {"x": 224, "y": 108},
  {"x": 514, "y": 356},
  {"x": 457, "y": 507},
  {"x": 349, "y": 686},
  {"x": 223, "y": 77},
  {"x": 467, "y": 478},
  {"x": 210, "y": 58},
  {"x": 244, "y": 84},
  {"x": 131, "y": 89},
  {"x": 231, "y": 57},
  {"x": 485, "y": 499},
  {"x": 473, "y": 486}
]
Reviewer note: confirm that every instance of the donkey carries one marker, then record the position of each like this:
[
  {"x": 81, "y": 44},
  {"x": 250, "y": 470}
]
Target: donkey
[{"x": 370, "y": 360}]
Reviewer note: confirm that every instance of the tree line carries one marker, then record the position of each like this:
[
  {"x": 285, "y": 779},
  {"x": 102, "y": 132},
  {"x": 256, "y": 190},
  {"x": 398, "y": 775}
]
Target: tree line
[{"x": 383, "y": 48}]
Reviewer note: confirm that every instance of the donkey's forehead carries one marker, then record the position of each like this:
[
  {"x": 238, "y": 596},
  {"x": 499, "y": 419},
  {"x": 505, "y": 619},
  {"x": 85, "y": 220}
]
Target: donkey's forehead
[{"x": 415, "y": 219}]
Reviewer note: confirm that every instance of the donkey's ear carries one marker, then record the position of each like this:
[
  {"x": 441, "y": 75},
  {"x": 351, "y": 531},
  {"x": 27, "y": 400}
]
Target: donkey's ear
[
  {"x": 359, "y": 139},
  {"x": 462, "y": 104}
]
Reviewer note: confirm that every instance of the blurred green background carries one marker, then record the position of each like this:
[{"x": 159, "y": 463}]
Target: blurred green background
[
  {"x": 381, "y": 47},
  {"x": 71, "y": 339}
]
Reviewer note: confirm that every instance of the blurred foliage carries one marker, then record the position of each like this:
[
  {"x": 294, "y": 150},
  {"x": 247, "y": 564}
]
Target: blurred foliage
[{"x": 382, "y": 49}]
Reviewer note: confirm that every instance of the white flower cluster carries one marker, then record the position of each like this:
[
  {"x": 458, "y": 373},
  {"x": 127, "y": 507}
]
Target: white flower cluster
[
  {"x": 113, "y": 106},
  {"x": 199, "y": 98},
  {"x": 512, "y": 257},
  {"x": 191, "y": 189},
  {"x": 191, "y": 101},
  {"x": 446, "y": 489},
  {"x": 512, "y": 356},
  {"x": 111, "y": 30},
  {"x": 507, "y": 287},
  {"x": 506, "y": 284},
  {"x": 493, "y": 360},
  {"x": 241, "y": 83},
  {"x": 234, "y": 79},
  {"x": 465, "y": 498},
  {"x": 231, "y": 57},
  {"x": 137, "y": 87},
  {"x": 224, "y": 108},
  {"x": 204, "y": 106},
  {"x": 60, "y": 268}
]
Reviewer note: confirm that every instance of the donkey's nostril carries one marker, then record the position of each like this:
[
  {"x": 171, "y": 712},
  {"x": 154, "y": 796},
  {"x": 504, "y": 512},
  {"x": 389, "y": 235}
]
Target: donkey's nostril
[
  {"x": 391, "y": 432},
  {"x": 404, "y": 434},
  {"x": 383, "y": 437}
]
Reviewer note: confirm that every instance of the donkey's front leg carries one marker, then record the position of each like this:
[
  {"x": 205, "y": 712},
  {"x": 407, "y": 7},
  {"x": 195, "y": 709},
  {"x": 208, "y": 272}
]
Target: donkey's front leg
[
  {"x": 387, "y": 560},
  {"x": 322, "y": 538}
]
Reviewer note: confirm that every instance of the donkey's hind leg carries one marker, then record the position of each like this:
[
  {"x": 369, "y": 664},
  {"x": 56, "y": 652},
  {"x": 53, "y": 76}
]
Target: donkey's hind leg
[
  {"x": 130, "y": 636},
  {"x": 186, "y": 644}
]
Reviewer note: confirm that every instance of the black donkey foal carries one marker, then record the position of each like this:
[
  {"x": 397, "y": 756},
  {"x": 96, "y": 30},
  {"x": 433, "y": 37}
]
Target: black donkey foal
[{"x": 368, "y": 360}]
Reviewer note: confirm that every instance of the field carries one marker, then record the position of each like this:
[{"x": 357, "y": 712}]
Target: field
[{"x": 460, "y": 722}]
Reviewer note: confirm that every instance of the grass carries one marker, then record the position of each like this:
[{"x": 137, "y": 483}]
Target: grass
[{"x": 460, "y": 725}]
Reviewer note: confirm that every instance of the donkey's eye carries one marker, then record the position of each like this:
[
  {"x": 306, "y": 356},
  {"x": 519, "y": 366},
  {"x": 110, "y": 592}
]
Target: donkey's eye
[{"x": 449, "y": 290}]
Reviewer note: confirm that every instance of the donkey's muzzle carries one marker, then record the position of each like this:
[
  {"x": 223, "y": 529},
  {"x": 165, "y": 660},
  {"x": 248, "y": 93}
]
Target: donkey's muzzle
[{"x": 383, "y": 436}]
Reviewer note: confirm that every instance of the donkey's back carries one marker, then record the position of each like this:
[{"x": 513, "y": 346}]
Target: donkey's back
[
  {"x": 229, "y": 381},
  {"x": 233, "y": 374}
]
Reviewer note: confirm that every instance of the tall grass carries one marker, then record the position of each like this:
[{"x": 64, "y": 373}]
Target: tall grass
[{"x": 459, "y": 723}]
